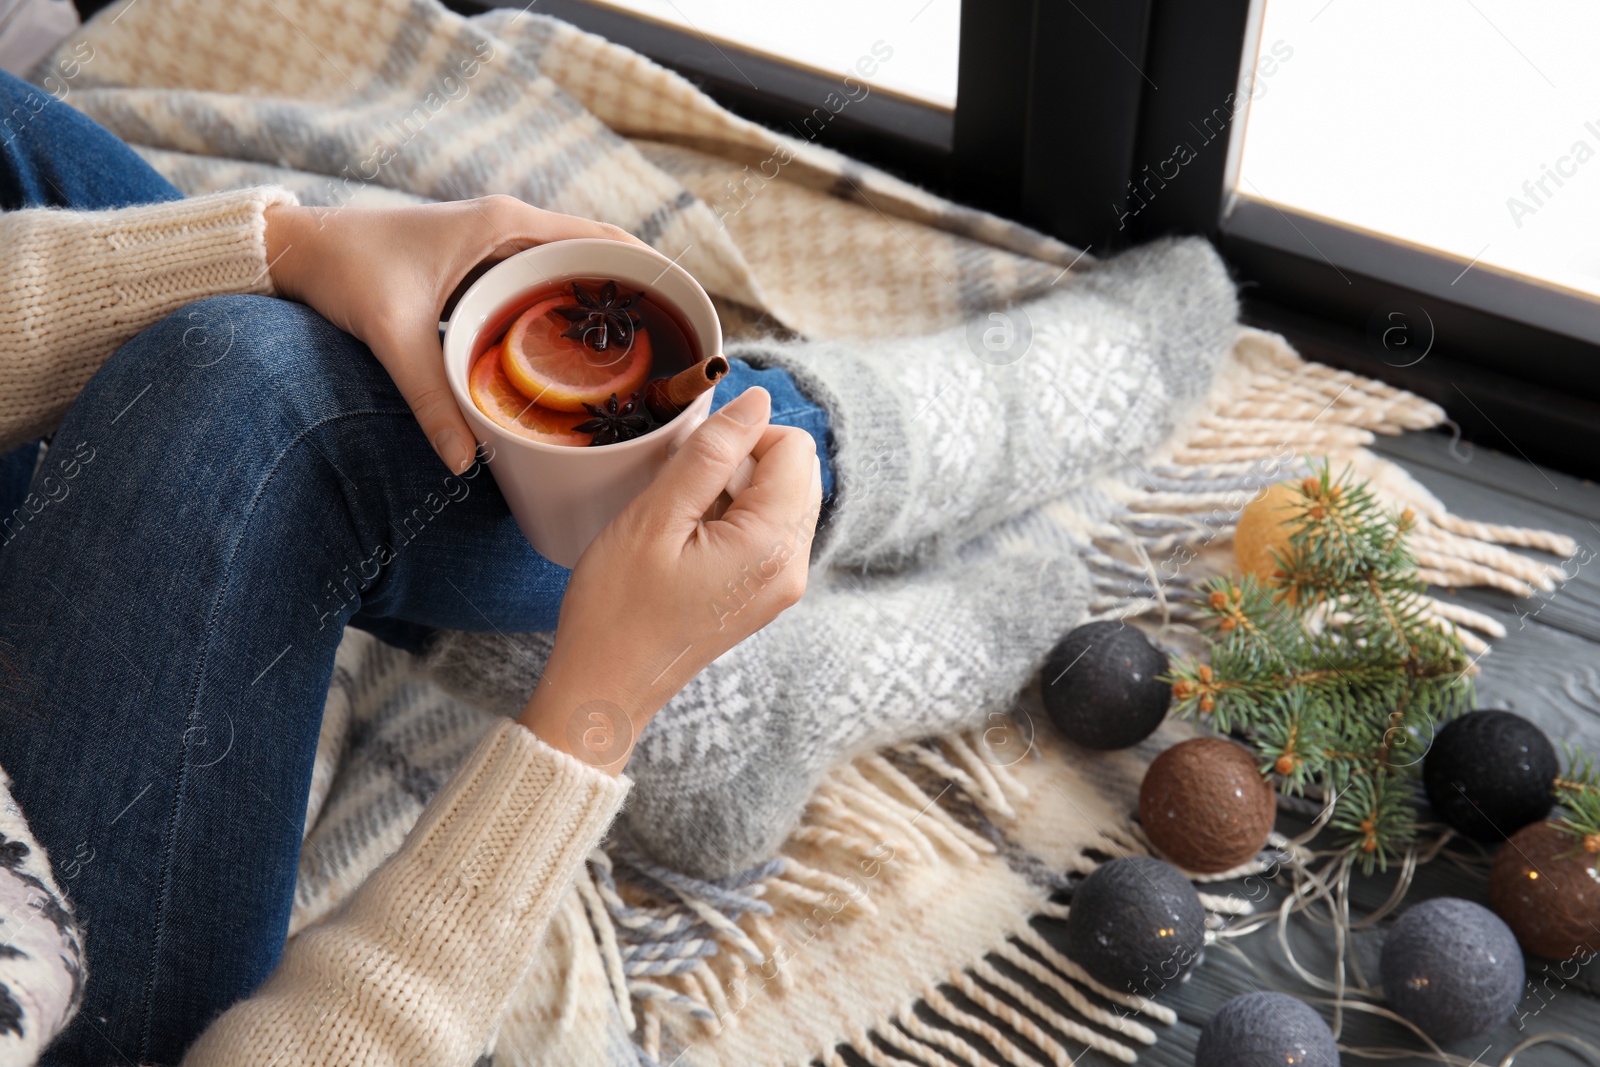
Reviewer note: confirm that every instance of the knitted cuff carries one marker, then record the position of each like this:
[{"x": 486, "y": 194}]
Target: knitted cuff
[
  {"x": 419, "y": 964},
  {"x": 873, "y": 468},
  {"x": 80, "y": 283},
  {"x": 515, "y": 820}
]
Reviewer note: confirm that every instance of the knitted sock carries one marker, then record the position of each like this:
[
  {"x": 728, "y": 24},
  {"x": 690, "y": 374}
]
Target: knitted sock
[
  {"x": 723, "y": 772},
  {"x": 938, "y": 437}
]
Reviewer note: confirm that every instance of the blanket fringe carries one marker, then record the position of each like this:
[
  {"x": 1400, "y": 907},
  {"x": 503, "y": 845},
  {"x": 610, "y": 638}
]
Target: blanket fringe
[
  {"x": 895, "y": 1035},
  {"x": 1003, "y": 999},
  {"x": 1283, "y": 412},
  {"x": 679, "y": 952}
]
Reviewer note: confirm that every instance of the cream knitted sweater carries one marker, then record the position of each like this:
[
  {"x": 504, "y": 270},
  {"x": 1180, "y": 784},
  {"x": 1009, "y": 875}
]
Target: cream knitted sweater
[
  {"x": 418, "y": 965},
  {"x": 74, "y": 285}
]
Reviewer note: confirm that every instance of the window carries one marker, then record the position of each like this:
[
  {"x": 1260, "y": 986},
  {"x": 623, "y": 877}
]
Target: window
[
  {"x": 907, "y": 47},
  {"x": 1449, "y": 145},
  {"x": 1426, "y": 174}
]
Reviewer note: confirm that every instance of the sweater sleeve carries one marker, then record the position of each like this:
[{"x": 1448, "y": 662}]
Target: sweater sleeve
[
  {"x": 419, "y": 964},
  {"x": 74, "y": 285}
]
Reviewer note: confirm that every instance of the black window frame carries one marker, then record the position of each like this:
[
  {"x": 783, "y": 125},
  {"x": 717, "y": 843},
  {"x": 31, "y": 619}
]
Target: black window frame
[{"x": 995, "y": 150}]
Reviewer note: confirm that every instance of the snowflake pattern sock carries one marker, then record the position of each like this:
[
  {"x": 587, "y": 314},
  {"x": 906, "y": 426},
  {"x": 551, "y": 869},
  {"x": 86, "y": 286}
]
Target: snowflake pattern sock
[
  {"x": 939, "y": 437},
  {"x": 722, "y": 774}
]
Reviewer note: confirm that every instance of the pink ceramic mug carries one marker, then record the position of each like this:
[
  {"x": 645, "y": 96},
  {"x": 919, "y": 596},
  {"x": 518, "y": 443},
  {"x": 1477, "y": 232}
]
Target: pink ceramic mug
[{"x": 561, "y": 495}]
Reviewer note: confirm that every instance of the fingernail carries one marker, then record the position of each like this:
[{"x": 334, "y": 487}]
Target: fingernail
[
  {"x": 450, "y": 448},
  {"x": 749, "y": 407}
]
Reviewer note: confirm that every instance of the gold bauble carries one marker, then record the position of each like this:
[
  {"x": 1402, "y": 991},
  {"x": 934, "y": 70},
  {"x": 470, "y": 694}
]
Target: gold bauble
[{"x": 1264, "y": 528}]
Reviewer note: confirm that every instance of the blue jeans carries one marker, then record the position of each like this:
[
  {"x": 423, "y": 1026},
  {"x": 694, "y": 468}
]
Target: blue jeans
[{"x": 204, "y": 524}]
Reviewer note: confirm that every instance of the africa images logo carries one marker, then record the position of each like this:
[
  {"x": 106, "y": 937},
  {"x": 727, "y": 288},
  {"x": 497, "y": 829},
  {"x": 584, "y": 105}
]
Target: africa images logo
[{"x": 1537, "y": 192}]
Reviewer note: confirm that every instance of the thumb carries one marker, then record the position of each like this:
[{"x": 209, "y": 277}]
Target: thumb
[
  {"x": 416, "y": 363},
  {"x": 702, "y": 467}
]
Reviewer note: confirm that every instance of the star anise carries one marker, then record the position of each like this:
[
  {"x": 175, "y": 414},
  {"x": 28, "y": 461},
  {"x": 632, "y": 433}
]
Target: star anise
[
  {"x": 599, "y": 319},
  {"x": 615, "y": 422}
]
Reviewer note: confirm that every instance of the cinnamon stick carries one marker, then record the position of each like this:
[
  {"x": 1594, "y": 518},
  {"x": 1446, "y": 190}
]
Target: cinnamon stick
[{"x": 667, "y": 397}]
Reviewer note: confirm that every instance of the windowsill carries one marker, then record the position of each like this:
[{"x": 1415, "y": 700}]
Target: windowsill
[{"x": 1535, "y": 422}]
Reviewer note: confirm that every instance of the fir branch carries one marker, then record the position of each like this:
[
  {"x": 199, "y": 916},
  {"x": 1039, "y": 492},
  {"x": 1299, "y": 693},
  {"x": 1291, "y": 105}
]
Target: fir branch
[
  {"x": 1333, "y": 668},
  {"x": 1578, "y": 793},
  {"x": 1375, "y": 812},
  {"x": 1581, "y": 773}
]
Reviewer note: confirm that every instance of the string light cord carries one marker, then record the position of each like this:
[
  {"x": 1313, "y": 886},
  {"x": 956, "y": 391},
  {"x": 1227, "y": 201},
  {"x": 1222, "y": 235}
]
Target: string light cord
[{"x": 1319, "y": 892}]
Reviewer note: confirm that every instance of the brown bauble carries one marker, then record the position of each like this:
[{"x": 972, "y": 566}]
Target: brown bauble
[
  {"x": 1264, "y": 528},
  {"x": 1547, "y": 889},
  {"x": 1205, "y": 806}
]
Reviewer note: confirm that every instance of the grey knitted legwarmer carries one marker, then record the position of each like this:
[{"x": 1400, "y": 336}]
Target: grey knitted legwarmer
[
  {"x": 939, "y": 437},
  {"x": 940, "y": 457}
]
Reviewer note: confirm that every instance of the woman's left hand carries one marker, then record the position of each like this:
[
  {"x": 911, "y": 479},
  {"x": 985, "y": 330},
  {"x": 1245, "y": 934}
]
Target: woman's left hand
[
  {"x": 662, "y": 592},
  {"x": 384, "y": 275}
]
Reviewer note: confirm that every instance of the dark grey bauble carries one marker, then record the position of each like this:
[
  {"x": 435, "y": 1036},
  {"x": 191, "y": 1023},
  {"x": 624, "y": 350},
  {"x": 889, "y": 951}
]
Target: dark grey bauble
[
  {"x": 1453, "y": 968},
  {"x": 1489, "y": 773},
  {"x": 1137, "y": 925},
  {"x": 1100, "y": 686},
  {"x": 1266, "y": 1030}
]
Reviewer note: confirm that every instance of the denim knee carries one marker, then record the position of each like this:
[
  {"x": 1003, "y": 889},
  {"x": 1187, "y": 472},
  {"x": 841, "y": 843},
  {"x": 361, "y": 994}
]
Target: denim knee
[
  {"x": 19, "y": 103},
  {"x": 53, "y": 155},
  {"x": 229, "y": 367}
]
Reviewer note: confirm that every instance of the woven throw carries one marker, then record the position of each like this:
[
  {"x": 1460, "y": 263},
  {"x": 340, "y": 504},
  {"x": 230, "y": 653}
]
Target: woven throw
[{"x": 924, "y": 881}]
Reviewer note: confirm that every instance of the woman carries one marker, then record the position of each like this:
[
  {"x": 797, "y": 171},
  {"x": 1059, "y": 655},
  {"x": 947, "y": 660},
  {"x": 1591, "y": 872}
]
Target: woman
[{"x": 246, "y": 399}]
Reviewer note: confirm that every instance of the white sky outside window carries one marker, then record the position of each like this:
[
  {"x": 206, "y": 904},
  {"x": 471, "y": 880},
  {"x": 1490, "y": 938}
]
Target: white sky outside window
[
  {"x": 832, "y": 36},
  {"x": 1467, "y": 126}
]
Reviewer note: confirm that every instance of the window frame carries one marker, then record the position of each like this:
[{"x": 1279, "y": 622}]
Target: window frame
[{"x": 1053, "y": 168}]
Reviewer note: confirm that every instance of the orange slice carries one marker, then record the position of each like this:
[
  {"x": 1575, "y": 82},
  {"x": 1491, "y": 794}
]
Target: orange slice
[
  {"x": 495, "y": 396},
  {"x": 565, "y": 374}
]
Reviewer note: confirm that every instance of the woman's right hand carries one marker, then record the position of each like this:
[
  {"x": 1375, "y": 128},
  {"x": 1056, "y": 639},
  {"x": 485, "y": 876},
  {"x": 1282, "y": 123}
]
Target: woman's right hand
[
  {"x": 662, "y": 592},
  {"x": 384, "y": 275}
]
